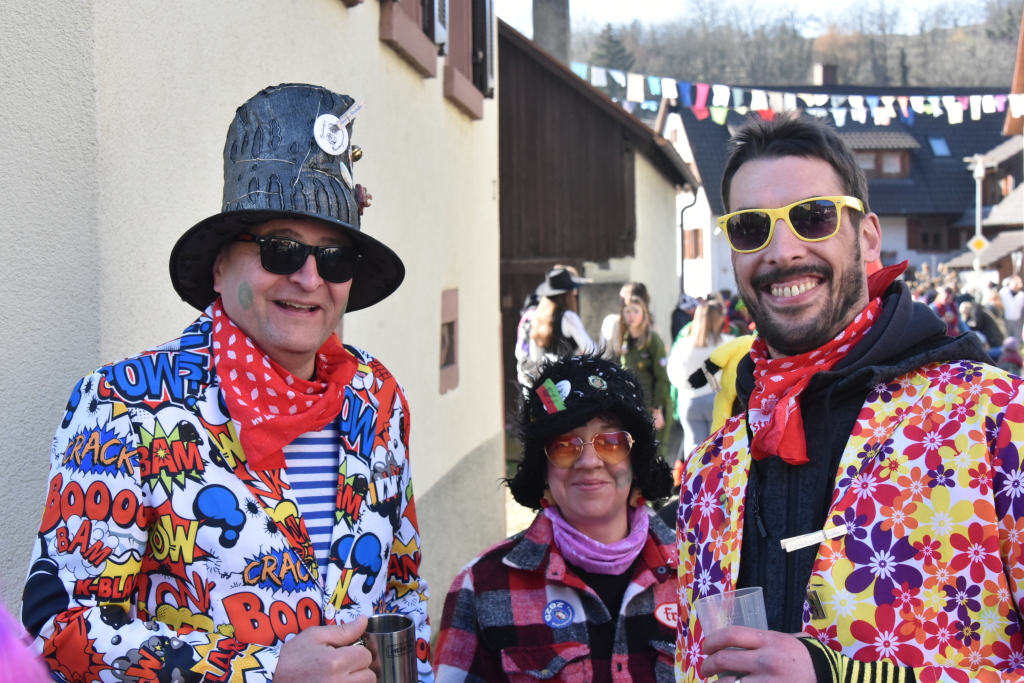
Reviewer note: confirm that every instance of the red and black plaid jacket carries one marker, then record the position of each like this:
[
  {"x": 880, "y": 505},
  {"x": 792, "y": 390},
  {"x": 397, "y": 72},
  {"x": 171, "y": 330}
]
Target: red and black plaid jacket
[{"x": 517, "y": 614}]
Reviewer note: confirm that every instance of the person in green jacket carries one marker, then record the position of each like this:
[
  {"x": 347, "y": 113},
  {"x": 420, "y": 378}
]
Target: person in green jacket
[{"x": 643, "y": 353}]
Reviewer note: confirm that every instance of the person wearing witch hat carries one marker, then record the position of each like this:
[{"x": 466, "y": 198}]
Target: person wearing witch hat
[
  {"x": 871, "y": 483},
  {"x": 234, "y": 503},
  {"x": 554, "y": 328}
]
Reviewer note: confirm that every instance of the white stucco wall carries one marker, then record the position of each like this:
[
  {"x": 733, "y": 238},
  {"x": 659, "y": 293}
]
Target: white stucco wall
[
  {"x": 894, "y": 238},
  {"x": 114, "y": 132},
  {"x": 49, "y": 292},
  {"x": 654, "y": 261},
  {"x": 714, "y": 270}
]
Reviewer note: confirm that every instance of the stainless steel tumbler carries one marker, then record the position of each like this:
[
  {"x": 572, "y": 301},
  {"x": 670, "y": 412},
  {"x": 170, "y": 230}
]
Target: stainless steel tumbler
[{"x": 391, "y": 639}]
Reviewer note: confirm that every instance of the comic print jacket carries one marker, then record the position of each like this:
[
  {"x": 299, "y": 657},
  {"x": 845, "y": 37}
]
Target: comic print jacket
[
  {"x": 927, "y": 571},
  {"x": 162, "y": 556},
  {"x": 516, "y": 613}
]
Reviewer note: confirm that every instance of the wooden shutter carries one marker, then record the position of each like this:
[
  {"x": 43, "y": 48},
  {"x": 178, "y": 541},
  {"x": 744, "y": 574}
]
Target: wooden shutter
[
  {"x": 693, "y": 244},
  {"x": 913, "y": 233}
]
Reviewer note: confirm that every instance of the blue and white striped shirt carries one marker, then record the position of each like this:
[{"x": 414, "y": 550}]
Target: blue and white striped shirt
[{"x": 312, "y": 462}]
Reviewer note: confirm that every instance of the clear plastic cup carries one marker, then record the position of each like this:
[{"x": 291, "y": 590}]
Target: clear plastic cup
[{"x": 744, "y": 607}]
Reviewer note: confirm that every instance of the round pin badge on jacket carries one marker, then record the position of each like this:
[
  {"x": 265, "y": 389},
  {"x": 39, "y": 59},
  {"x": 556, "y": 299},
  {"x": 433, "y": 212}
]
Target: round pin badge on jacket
[{"x": 558, "y": 614}]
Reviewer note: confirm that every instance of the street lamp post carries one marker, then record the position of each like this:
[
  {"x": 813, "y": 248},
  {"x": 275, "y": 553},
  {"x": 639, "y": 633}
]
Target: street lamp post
[{"x": 981, "y": 166}]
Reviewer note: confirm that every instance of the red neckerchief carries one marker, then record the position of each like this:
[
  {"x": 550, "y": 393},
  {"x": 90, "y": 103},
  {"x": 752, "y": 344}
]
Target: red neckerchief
[
  {"x": 270, "y": 406},
  {"x": 774, "y": 408}
]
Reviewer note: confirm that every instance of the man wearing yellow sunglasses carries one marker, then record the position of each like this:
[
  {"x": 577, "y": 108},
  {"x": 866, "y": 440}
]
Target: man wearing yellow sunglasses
[{"x": 873, "y": 483}]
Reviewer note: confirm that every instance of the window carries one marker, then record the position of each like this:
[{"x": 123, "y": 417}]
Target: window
[
  {"x": 693, "y": 244},
  {"x": 892, "y": 163},
  {"x": 931, "y": 239},
  {"x": 940, "y": 147},
  {"x": 483, "y": 46},
  {"x": 866, "y": 161},
  {"x": 884, "y": 164},
  {"x": 929, "y": 233},
  {"x": 449, "y": 359},
  {"x": 435, "y": 21},
  {"x": 469, "y": 71}
]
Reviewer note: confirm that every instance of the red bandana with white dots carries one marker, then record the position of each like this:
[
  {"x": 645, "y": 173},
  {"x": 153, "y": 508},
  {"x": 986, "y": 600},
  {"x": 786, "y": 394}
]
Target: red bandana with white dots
[
  {"x": 774, "y": 408},
  {"x": 270, "y": 406},
  {"x": 773, "y": 412}
]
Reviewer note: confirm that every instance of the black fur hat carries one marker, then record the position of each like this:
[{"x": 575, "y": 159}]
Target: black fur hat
[{"x": 570, "y": 393}]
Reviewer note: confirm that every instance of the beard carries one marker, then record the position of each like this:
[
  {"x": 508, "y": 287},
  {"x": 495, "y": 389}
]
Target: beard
[{"x": 846, "y": 300}]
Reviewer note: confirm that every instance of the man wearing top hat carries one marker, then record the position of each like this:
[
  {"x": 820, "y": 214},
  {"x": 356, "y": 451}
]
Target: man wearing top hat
[{"x": 231, "y": 505}]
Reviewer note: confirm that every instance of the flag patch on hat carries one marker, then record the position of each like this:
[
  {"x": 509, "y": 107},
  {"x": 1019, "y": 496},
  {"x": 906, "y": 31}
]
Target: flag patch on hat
[{"x": 550, "y": 397}]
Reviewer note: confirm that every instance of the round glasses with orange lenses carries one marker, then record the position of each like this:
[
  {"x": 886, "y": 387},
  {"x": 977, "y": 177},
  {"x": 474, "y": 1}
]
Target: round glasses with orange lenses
[{"x": 612, "y": 447}]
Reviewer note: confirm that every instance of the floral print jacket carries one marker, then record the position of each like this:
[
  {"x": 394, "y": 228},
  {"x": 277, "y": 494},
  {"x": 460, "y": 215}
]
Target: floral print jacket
[
  {"x": 163, "y": 556},
  {"x": 925, "y": 568}
]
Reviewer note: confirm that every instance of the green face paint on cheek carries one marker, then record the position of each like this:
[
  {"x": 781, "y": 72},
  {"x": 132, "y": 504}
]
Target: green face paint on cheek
[
  {"x": 245, "y": 295},
  {"x": 624, "y": 479}
]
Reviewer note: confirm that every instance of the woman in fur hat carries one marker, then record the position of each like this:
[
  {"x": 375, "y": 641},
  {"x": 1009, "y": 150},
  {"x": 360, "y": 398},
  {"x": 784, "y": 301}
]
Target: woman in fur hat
[{"x": 590, "y": 588}]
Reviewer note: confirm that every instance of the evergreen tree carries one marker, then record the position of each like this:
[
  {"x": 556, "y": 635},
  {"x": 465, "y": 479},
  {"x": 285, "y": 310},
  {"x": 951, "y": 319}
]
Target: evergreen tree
[{"x": 611, "y": 52}]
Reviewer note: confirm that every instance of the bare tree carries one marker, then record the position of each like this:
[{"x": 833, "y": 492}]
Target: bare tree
[{"x": 955, "y": 43}]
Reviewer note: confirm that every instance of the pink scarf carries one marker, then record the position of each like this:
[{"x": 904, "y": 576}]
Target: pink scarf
[{"x": 596, "y": 557}]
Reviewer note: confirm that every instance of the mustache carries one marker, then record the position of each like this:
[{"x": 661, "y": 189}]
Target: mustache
[{"x": 766, "y": 278}]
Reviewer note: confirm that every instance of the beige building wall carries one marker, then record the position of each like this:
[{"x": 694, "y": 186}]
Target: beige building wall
[
  {"x": 654, "y": 261},
  {"x": 116, "y": 117}
]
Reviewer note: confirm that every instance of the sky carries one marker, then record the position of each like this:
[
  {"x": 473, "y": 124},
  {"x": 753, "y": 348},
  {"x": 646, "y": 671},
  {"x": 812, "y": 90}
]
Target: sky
[{"x": 518, "y": 13}]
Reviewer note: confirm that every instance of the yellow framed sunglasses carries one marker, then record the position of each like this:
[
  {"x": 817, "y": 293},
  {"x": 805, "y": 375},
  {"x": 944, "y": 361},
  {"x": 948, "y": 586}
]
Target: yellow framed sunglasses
[{"x": 811, "y": 220}]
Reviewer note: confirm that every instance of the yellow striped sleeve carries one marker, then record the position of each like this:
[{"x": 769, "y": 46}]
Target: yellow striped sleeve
[{"x": 833, "y": 667}]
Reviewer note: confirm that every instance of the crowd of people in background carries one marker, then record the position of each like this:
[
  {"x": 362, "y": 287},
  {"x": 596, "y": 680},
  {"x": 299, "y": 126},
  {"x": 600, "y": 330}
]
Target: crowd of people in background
[
  {"x": 994, "y": 316},
  {"x": 550, "y": 327}
]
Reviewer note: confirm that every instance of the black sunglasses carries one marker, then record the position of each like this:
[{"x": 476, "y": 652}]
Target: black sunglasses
[{"x": 284, "y": 256}]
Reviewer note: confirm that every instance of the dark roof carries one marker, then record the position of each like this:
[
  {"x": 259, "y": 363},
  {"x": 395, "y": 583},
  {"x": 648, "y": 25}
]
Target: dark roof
[
  {"x": 968, "y": 218},
  {"x": 936, "y": 185},
  {"x": 1002, "y": 244},
  {"x": 1010, "y": 211},
  {"x": 1005, "y": 150},
  {"x": 657, "y": 149},
  {"x": 879, "y": 139}
]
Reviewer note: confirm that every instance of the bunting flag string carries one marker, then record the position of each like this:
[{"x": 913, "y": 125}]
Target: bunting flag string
[{"x": 716, "y": 100}]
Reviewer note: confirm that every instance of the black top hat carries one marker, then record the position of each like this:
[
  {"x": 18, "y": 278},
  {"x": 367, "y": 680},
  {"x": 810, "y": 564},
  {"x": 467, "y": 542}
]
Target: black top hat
[
  {"x": 559, "y": 281},
  {"x": 287, "y": 155}
]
